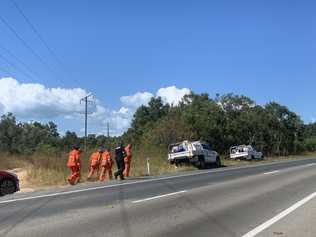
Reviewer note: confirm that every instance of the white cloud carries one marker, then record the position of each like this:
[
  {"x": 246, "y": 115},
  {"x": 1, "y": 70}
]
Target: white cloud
[
  {"x": 123, "y": 111},
  {"x": 136, "y": 100},
  {"x": 122, "y": 118},
  {"x": 1, "y": 108},
  {"x": 172, "y": 95},
  {"x": 35, "y": 101}
]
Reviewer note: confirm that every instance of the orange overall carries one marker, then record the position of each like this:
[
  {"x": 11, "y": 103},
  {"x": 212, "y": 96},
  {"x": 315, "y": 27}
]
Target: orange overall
[
  {"x": 106, "y": 166},
  {"x": 94, "y": 163},
  {"x": 74, "y": 164},
  {"x": 127, "y": 160}
]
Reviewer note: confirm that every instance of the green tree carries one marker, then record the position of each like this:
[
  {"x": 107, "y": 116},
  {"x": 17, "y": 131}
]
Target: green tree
[
  {"x": 69, "y": 139},
  {"x": 169, "y": 129},
  {"x": 205, "y": 117},
  {"x": 10, "y": 133},
  {"x": 145, "y": 117},
  {"x": 285, "y": 128},
  {"x": 231, "y": 102}
]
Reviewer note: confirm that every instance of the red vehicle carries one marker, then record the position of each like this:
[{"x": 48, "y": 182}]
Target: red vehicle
[{"x": 9, "y": 183}]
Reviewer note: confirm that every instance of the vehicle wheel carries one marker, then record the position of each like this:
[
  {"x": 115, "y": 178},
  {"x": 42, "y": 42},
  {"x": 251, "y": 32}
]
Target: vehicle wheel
[
  {"x": 7, "y": 186},
  {"x": 202, "y": 164},
  {"x": 218, "y": 162},
  {"x": 196, "y": 162}
]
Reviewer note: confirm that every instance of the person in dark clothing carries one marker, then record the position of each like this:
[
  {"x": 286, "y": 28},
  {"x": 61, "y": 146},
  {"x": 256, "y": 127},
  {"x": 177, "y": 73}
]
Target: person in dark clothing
[{"x": 119, "y": 158}]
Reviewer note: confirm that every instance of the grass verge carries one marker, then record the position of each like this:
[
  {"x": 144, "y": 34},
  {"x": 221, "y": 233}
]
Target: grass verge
[{"x": 50, "y": 169}]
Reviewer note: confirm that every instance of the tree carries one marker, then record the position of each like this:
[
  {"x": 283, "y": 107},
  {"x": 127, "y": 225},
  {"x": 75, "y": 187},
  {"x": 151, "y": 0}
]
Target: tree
[
  {"x": 69, "y": 139},
  {"x": 205, "y": 117},
  {"x": 231, "y": 102},
  {"x": 285, "y": 127},
  {"x": 146, "y": 116},
  {"x": 10, "y": 133},
  {"x": 169, "y": 129},
  {"x": 224, "y": 121}
]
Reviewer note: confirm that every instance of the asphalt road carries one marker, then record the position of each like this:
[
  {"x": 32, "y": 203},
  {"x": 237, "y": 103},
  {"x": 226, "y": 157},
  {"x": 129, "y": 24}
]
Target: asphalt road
[
  {"x": 219, "y": 202},
  {"x": 299, "y": 223}
]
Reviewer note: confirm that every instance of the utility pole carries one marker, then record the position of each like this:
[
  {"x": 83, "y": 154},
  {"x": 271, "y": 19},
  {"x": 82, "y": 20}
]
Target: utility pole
[
  {"x": 108, "y": 129},
  {"x": 85, "y": 101}
]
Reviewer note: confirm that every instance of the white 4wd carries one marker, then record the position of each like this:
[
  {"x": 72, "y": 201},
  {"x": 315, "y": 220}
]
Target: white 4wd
[
  {"x": 197, "y": 153},
  {"x": 245, "y": 152}
]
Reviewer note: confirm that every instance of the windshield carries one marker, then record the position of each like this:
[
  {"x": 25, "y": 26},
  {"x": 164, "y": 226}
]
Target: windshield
[{"x": 179, "y": 148}]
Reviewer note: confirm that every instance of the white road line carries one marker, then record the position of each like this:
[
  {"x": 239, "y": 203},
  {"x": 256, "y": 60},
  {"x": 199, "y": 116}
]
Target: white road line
[
  {"x": 139, "y": 182},
  {"x": 308, "y": 165},
  {"x": 123, "y": 184},
  {"x": 278, "y": 217},
  {"x": 286, "y": 169},
  {"x": 116, "y": 185},
  {"x": 160, "y": 196},
  {"x": 272, "y": 172}
]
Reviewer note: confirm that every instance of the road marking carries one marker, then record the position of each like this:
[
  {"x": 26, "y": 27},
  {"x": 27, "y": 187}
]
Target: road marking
[
  {"x": 286, "y": 169},
  {"x": 272, "y": 172},
  {"x": 160, "y": 196},
  {"x": 117, "y": 185},
  {"x": 308, "y": 165},
  {"x": 278, "y": 217},
  {"x": 125, "y": 184},
  {"x": 145, "y": 181}
]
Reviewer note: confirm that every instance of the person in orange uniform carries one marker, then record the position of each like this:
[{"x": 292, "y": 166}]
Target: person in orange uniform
[
  {"x": 106, "y": 166},
  {"x": 94, "y": 162},
  {"x": 127, "y": 160},
  {"x": 74, "y": 164}
]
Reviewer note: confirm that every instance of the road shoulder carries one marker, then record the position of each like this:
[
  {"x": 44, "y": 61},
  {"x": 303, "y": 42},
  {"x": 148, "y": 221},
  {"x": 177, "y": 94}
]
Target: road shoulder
[{"x": 299, "y": 223}]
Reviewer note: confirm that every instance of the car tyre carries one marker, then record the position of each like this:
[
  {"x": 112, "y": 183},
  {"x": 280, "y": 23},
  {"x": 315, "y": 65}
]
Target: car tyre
[
  {"x": 218, "y": 162},
  {"x": 7, "y": 186},
  {"x": 202, "y": 164}
]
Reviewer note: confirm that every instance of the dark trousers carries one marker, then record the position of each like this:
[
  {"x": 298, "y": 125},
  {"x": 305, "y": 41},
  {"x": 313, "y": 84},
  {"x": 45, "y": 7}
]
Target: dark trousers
[{"x": 120, "y": 168}]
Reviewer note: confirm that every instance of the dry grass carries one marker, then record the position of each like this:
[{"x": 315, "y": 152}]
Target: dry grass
[
  {"x": 42, "y": 169},
  {"x": 47, "y": 170},
  {"x": 157, "y": 160},
  {"x": 8, "y": 161},
  {"x": 50, "y": 169}
]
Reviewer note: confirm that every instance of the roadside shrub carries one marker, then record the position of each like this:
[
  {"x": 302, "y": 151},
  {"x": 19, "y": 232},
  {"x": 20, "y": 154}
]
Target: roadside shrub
[{"x": 310, "y": 144}]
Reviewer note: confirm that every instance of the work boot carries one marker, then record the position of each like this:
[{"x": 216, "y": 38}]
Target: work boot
[{"x": 70, "y": 181}]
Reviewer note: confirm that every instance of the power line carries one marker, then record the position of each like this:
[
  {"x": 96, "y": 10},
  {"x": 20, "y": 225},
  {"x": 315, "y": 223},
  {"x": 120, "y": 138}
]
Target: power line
[
  {"x": 39, "y": 36},
  {"x": 30, "y": 70},
  {"x": 27, "y": 46},
  {"x": 5, "y": 70},
  {"x": 15, "y": 66}
]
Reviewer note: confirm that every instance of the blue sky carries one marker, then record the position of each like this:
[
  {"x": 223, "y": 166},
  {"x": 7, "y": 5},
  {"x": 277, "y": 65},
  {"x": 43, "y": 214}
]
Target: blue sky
[{"x": 263, "y": 49}]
